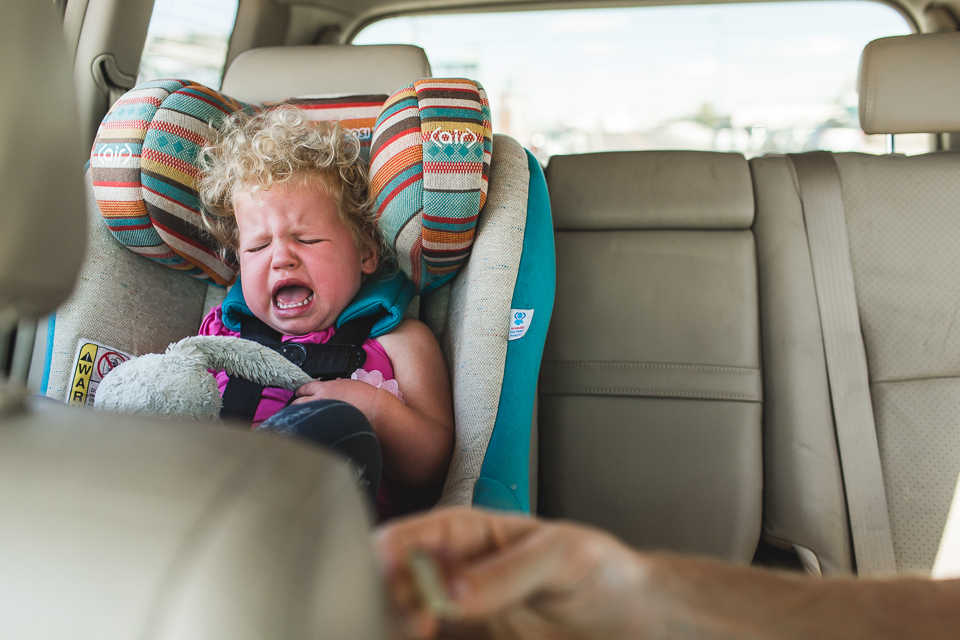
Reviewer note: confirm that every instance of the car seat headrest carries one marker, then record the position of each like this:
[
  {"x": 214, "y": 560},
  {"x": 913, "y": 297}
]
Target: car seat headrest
[
  {"x": 144, "y": 166},
  {"x": 910, "y": 84},
  {"x": 276, "y": 73},
  {"x": 42, "y": 225},
  {"x": 429, "y": 171}
]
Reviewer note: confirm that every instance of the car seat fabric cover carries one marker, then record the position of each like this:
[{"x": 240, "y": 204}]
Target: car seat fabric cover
[
  {"x": 429, "y": 173},
  {"x": 504, "y": 481},
  {"x": 430, "y": 170},
  {"x": 511, "y": 267},
  {"x": 123, "y": 302},
  {"x": 477, "y": 397}
]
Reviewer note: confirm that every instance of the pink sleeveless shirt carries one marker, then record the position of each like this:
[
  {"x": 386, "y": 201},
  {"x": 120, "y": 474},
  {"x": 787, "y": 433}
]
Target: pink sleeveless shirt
[{"x": 275, "y": 399}]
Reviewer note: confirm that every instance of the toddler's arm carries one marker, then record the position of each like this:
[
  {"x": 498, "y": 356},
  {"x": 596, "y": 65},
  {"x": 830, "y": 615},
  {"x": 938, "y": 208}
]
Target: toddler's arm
[{"x": 416, "y": 438}]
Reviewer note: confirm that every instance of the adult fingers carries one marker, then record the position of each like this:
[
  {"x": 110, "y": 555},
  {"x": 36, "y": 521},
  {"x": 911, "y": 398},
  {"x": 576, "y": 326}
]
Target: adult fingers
[
  {"x": 451, "y": 536},
  {"x": 457, "y": 534},
  {"x": 552, "y": 559}
]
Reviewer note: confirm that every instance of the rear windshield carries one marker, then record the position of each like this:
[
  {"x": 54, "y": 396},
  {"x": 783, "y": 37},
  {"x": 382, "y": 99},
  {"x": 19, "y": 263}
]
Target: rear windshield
[{"x": 755, "y": 78}]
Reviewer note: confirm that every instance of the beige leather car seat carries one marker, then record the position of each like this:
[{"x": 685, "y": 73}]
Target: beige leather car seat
[
  {"x": 901, "y": 218},
  {"x": 271, "y": 74},
  {"x": 651, "y": 396},
  {"x": 113, "y": 527}
]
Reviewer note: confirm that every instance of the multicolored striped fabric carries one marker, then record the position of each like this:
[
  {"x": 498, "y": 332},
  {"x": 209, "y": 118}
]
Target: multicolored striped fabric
[
  {"x": 144, "y": 171},
  {"x": 144, "y": 166},
  {"x": 429, "y": 170},
  {"x": 356, "y": 114}
]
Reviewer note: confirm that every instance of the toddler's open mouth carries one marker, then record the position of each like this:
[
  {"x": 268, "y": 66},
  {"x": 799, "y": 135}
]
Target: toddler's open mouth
[{"x": 292, "y": 297}]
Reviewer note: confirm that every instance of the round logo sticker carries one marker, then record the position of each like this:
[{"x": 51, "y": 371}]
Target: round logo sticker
[{"x": 108, "y": 361}]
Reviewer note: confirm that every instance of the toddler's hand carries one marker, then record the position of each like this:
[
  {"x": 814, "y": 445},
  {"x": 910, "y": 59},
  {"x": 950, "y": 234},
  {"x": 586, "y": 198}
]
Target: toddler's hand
[{"x": 360, "y": 394}]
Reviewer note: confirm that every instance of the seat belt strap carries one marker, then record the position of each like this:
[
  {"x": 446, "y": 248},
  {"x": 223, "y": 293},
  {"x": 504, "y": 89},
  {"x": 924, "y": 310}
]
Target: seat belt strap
[{"x": 825, "y": 220}]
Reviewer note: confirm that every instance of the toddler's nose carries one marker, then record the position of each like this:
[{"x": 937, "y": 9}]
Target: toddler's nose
[{"x": 284, "y": 256}]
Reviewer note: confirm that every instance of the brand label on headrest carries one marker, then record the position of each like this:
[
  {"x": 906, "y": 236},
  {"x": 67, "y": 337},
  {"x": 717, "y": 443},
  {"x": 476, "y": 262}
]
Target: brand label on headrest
[
  {"x": 456, "y": 136},
  {"x": 520, "y": 320},
  {"x": 93, "y": 361}
]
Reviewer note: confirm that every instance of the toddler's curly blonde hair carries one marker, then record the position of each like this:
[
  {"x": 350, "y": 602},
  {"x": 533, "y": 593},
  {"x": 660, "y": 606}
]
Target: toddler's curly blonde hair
[{"x": 277, "y": 147}]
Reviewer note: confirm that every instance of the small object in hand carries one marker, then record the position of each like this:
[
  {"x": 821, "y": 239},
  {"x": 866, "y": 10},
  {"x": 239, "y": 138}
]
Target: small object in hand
[{"x": 430, "y": 584}]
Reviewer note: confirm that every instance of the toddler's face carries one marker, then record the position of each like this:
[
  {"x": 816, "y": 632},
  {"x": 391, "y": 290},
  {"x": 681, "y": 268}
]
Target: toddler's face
[{"x": 299, "y": 264}]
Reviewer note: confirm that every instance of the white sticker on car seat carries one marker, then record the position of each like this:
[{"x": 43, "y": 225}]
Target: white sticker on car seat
[
  {"x": 93, "y": 361},
  {"x": 520, "y": 320}
]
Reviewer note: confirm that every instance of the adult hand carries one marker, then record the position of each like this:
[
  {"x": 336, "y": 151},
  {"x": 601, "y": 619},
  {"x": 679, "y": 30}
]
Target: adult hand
[{"x": 514, "y": 577}]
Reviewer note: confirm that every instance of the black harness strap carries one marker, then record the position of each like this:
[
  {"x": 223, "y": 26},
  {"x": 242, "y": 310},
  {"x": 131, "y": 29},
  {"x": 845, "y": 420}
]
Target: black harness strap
[
  {"x": 337, "y": 358},
  {"x": 241, "y": 397}
]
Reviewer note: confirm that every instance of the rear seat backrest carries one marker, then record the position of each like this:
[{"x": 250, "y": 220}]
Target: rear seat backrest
[
  {"x": 651, "y": 395},
  {"x": 902, "y": 225}
]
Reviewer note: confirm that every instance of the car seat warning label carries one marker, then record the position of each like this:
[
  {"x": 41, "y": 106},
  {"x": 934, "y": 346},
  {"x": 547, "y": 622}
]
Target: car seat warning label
[
  {"x": 520, "y": 320},
  {"x": 93, "y": 361}
]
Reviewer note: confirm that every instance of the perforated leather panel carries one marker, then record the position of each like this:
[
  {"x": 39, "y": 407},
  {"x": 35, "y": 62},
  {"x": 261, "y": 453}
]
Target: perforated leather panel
[
  {"x": 917, "y": 427},
  {"x": 903, "y": 224},
  {"x": 903, "y": 221}
]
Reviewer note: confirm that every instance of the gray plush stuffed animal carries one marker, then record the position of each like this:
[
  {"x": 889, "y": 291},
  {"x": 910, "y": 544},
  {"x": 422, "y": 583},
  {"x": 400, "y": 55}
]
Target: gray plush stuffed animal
[{"x": 177, "y": 384}]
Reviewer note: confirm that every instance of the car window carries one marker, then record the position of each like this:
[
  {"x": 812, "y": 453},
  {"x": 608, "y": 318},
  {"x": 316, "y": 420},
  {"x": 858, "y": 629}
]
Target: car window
[
  {"x": 755, "y": 78},
  {"x": 188, "y": 39}
]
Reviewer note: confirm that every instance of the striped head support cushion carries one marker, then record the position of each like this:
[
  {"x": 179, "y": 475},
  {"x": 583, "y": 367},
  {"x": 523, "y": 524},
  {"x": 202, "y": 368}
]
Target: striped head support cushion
[
  {"x": 356, "y": 114},
  {"x": 144, "y": 166},
  {"x": 429, "y": 168},
  {"x": 144, "y": 170}
]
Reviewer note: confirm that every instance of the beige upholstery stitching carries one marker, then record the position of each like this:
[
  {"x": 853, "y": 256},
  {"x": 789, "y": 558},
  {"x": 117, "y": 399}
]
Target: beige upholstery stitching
[
  {"x": 647, "y": 393},
  {"x": 652, "y": 365}
]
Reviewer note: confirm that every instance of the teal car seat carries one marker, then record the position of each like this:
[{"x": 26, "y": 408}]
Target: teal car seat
[{"x": 490, "y": 315}]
